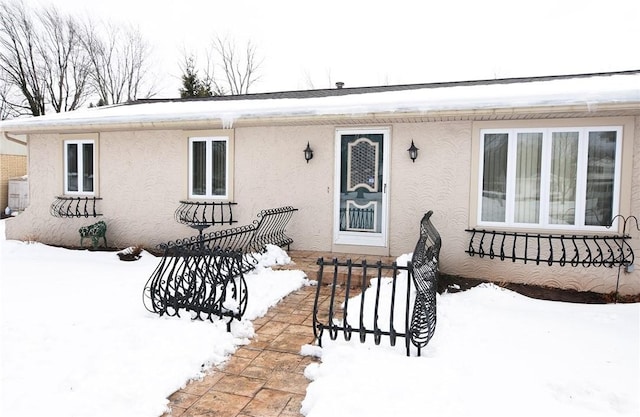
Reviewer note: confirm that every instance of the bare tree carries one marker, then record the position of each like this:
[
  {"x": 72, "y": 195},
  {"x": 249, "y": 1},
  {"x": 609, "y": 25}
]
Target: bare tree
[
  {"x": 20, "y": 60},
  {"x": 229, "y": 69},
  {"x": 66, "y": 63},
  {"x": 240, "y": 66},
  {"x": 120, "y": 69},
  {"x": 310, "y": 84},
  {"x": 41, "y": 56},
  {"x": 5, "y": 109}
]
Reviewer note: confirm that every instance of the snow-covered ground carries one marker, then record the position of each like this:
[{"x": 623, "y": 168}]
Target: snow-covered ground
[{"x": 77, "y": 341}]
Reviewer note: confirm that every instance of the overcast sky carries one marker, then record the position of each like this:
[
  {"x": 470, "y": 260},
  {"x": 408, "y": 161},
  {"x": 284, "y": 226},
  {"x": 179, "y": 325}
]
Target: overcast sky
[{"x": 308, "y": 44}]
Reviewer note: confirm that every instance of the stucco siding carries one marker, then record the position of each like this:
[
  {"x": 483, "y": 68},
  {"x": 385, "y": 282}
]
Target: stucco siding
[
  {"x": 142, "y": 180},
  {"x": 142, "y": 176},
  {"x": 438, "y": 180},
  {"x": 598, "y": 279},
  {"x": 271, "y": 172}
]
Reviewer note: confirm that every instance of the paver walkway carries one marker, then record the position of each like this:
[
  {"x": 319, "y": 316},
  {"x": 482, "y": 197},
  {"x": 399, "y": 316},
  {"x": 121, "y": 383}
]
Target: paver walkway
[{"x": 265, "y": 378}]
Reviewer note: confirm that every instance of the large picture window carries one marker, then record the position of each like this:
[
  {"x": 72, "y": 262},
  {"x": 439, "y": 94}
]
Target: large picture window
[
  {"x": 79, "y": 162},
  {"x": 566, "y": 178},
  {"x": 208, "y": 167}
]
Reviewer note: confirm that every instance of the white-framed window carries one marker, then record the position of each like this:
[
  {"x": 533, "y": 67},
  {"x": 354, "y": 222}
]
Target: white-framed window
[
  {"x": 79, "y": 166},
  {"x": 552, "y": 178},
  {"x": 209, "y": 167}
]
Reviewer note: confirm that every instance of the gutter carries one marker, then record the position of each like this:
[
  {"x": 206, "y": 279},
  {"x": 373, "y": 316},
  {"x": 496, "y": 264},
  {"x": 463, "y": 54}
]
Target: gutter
[
  {"x": 15, "y": 139},
  {"x": 204, "y": 121}
]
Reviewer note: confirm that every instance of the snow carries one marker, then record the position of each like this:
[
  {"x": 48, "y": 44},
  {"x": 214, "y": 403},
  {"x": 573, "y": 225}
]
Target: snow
[
  {"x": 587, "y": 91},
  {"x": 494, "y": 353},
  {"x": 77, "y": 341}
]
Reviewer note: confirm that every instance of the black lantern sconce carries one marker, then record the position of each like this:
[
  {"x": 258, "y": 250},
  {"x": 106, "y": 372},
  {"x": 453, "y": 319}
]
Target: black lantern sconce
[
  {"x": 308, "y": 153},
  {"x": 413, "y": 151}
]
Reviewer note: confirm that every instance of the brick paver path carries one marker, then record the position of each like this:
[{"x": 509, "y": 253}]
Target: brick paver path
[{"x": 265, "y": 378}]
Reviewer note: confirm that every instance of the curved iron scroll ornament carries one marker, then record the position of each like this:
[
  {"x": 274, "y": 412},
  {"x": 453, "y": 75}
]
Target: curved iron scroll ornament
[
  {"x": 67, "y": 207},
  {"x": 417, "y": 324},
  {"x": 609, "y": 251},
  {"x": 248, "y": 239},
  {"x": 205, "y": 213},
  {"x": 204, "y": 274},
  {"x": 424, "y": 270},
  {"x": 208, "y": 284},
  {"x": 627, "y": 257},
  {"x": 630, "y": 258}
]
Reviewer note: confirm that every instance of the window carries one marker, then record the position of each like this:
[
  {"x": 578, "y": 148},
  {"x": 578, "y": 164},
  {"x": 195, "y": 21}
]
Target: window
[
  {"x": 564, "y": 178},
  {"x": 208, "y": 167},
  {"x": 79, "y": 162}
]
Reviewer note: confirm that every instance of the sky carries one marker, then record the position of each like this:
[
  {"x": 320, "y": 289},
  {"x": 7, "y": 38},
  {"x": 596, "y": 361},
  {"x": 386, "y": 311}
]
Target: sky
[{"x": 361, "y": 43}]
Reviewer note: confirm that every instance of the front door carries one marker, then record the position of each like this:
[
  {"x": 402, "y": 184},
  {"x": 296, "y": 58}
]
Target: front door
[{"x": 361, "y": 187}]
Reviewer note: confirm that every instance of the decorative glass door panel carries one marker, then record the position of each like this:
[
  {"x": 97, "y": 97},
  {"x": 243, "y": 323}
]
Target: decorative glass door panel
[{"x": 361, "y": 191}]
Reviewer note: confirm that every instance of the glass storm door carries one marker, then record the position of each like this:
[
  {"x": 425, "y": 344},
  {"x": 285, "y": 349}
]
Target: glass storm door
[{"x": 361, "y": 187}]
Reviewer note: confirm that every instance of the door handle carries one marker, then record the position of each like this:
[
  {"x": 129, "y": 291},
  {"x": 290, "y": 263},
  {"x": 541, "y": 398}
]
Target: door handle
[{"x": 384, "y": 189}]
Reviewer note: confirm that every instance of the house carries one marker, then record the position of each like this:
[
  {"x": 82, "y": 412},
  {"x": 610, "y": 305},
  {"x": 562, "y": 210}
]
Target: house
[
  {"x": 531, "y": 180},
  {"x": 13, "y": 164}
]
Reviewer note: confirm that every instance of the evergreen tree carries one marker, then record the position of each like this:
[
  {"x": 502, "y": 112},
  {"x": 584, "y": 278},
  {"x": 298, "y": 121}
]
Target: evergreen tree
[{"x": 192, "y": 85}]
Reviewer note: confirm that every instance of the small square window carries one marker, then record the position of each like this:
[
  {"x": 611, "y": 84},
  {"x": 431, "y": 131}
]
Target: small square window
[
  {"x": 209, "y": 167},
  {"x": 79, "y": 165}
]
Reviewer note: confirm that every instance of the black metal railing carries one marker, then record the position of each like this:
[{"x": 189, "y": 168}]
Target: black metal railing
[
  {"x": 65, "y": 206},
  {"x": 268, "y": 228},
  {"x": 575, "y": 250},
  {"x": 205, "y": 213},
  {"x": 334, "y": 315},
  {"x": 236, "y": 239},
  {"x": 390, "y": 293},
  {"x": 207, "y": 284},
  {"x": 199, "y": 272}
]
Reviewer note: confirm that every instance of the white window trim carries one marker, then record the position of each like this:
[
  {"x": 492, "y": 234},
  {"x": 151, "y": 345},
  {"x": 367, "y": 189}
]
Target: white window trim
[
  {"x": 545, "y": 173},
  {"x": 79, "y": 143},
  {"x": 208, "y": 170}
]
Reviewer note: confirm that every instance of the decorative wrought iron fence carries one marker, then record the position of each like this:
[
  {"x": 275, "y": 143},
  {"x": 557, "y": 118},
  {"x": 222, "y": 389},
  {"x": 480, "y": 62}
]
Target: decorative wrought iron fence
[
  {"x": 205, "y": 213},
  {"x": 65, "y": 206},
  {"x": 206, "y": 283},
  {"x": 609, "y": 251},
  {"x": 269, "y": 228},
  {"x": 237, "y": 239},
  {"x": 204, "y": 274},
  {"x": 403, "y": 297}
]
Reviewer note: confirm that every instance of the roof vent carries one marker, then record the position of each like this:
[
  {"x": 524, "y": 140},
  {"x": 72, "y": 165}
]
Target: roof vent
[{"x": 339, "y": 85}]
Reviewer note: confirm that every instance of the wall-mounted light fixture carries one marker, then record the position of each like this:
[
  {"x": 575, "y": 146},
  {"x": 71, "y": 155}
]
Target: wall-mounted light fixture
[
  {"x": 308, "y": 153},
  {"x": 413, "y": 151}
]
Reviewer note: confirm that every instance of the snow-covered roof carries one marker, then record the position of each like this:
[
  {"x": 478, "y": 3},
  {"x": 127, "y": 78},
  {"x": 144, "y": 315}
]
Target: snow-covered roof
[{"x": 589, "y": 91}]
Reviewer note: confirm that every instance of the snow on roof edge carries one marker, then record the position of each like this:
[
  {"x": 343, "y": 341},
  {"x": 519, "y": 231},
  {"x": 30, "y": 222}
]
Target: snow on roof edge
[{"x": 580, "y": 90}]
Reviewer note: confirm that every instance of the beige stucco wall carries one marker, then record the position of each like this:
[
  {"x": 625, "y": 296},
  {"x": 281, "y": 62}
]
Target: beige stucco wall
[
  {"x": 143, "y": 175},
  {"x": 271, "y": 172}
]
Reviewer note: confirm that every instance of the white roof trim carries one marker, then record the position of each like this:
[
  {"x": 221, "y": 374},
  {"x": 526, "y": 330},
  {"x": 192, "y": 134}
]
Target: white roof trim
[{"x": 589, "y": 92}]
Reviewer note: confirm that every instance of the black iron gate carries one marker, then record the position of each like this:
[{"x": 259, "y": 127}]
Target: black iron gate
[{"x": 404, "y": 297}]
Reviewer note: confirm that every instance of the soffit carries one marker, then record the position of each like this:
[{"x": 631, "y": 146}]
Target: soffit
[{"x": 551, "y": 112}]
